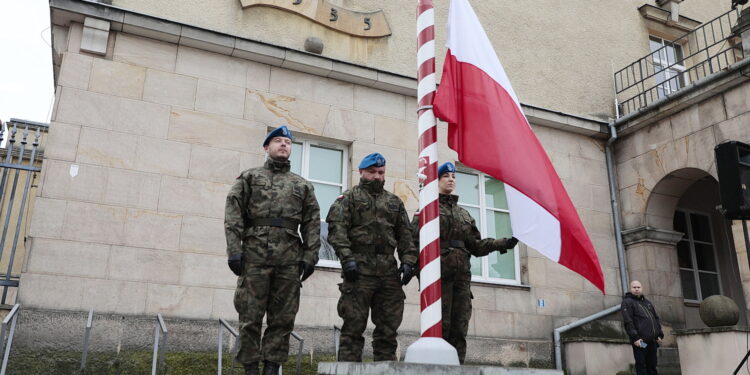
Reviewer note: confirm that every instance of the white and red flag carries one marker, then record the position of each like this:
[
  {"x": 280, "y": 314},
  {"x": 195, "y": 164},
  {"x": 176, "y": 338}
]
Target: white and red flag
[{"x": 491, "y": 134}]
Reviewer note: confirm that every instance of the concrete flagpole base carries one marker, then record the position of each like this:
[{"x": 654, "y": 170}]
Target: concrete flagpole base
[{"x": 433, "y": 350}]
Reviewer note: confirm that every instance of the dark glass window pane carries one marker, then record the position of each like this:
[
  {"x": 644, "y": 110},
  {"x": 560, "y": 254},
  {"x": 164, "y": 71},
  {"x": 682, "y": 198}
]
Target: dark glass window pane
[
  {"x": 709, "y": 284},
  {"x": 704, "y": 256},
  {"x": 688, "y": 285},
  {"x": 679, "y": 222},
  {"x": 701, "y": 228},
  {"x": 683, "y": 255},
  {"x": 326, "y": 250}
]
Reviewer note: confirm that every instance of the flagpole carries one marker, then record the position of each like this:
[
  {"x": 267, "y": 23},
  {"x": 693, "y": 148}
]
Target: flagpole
[{"x": 430, "y": 347}]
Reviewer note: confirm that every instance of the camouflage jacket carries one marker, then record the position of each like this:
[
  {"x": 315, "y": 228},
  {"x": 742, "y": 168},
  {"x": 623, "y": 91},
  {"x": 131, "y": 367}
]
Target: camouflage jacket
[
  {"x": 272, "y": 191},
  {"x": 456, "y": 224},
  {"x": 367, "y": 226}
]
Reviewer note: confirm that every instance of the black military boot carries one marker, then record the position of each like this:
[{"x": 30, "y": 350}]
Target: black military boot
[
  {"x": 270, "y": 368},
  {"x": 252, "y": 369}
]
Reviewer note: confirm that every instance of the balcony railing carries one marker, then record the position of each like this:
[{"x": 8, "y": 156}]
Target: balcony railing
[{"x": 704, "y": 51}]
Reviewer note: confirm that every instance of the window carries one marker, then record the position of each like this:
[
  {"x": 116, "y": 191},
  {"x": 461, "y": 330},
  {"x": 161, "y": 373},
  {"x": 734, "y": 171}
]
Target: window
[
  {"x": 484, "y": 198},
  {"x": 699, "y": 271},
  {"x": 325, "y": 166},
  {"x": 668, "y": 65}
]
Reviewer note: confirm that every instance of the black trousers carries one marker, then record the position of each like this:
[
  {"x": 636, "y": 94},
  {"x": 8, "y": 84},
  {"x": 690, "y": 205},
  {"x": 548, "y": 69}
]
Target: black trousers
[{"x": 645, "y": 359}]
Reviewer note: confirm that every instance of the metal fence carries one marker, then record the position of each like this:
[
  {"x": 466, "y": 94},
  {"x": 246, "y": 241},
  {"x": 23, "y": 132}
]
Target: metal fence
[
  {"x": 706, "y": 50},
  {"x": 21, "y": 161}
]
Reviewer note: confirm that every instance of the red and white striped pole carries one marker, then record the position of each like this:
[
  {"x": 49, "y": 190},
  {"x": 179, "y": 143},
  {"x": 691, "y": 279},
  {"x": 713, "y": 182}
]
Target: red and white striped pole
[{"x": 430, "y": 348}]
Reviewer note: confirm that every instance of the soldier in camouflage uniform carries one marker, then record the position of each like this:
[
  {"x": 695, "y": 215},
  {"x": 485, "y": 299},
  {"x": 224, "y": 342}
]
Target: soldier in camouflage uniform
[
  {"x": 459, "y": 239},
  {"x": 365, "y": 226},
  {"x": 264, "y": 209}
]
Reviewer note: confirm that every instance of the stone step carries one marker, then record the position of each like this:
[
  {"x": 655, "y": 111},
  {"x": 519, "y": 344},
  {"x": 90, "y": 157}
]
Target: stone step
[{"x": 403, "y": 368}]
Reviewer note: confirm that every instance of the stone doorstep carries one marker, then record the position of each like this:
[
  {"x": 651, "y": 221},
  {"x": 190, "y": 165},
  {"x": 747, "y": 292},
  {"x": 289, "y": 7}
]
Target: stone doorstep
[{"x": 398, "y": 368}]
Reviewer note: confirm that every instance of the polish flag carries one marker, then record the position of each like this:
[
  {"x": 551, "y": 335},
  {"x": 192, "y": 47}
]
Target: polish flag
[{"x": 491, "y": 134}]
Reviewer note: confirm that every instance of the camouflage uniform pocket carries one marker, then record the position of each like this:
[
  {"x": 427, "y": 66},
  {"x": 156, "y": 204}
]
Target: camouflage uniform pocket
[
  {"x": 347, "y": 299},
  {"x": 240, "y": 295}
]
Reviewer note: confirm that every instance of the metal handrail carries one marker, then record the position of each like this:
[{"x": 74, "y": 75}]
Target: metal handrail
[
  {"x": 709, "y": 39},
  {"x": 336, "y": 340},
  {"x": 87, "y": 339},
  {"x": 10, "y": 319},
  {"x": 224, "y": 325},
  {"x": 160, "y": 331}
]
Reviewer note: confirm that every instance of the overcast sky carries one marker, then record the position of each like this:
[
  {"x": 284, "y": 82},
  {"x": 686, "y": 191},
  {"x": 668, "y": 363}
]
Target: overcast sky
[{"x": 26, "y": 88}]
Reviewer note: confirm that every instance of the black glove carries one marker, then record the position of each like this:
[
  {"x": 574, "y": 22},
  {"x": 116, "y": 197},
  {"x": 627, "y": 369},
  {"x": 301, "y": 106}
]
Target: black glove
[
  {"x": 351, "y": 270},
  {"x": 235, "y": 263},
  {"x": 511, "y": 242},
  {"x": 407, "y": 272},
  {"x": 305, "y": 270}
]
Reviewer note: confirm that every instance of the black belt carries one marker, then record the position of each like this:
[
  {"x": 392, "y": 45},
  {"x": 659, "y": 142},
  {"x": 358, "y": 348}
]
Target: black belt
[
  {"x": 452, "y": 243},
  {"x": 280, "y": 222}
]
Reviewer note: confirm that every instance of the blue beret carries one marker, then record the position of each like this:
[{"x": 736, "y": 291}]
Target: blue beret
[
  {"x": 281, "y": 131},
  {"x": 373, "y": 159},
  {"x": 446, "y": 168}
]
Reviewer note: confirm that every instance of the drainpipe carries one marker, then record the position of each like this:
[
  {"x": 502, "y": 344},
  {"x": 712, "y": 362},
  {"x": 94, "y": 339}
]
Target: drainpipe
[
  {"x": 577, "y": 323},
  {"x": 616, "y": 207}
]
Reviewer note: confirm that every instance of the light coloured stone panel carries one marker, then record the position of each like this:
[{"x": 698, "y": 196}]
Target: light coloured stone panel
[
  {"x": 94, "y": 223},
  {"x": 561, "y": 277},
  {"x": 213, "y": 164},
  {"x": 484, "y": 297},
  {"x": 142, "y": 118},
  {"x": 187, "y": 196},
  {"x": 202, "y": 234},
  {"x": 132, "y": 189},
  {"x": 206, "y": 270},
  {"x": 215, "y": 131},
  {"x": 491, "y": 323},
  {"x": 379, "y": 102},
  {"x": 410, "y": 322},
  {"x": 220, "y": 98},
  {"x": 698, "y": 117},
  {"x": 736, "y": 101},
  {"x": 179, "y": 301},
  {"x": 88, "y": 184},
  {"x": 701, "y": 149},
  {"x": 68, "y": 258},
  {"x": 223, "y": 305},
  {"x": 86, "y": 108},
  {"x": 137, "y": 264},
  {"x": 170, "y": 88},
  {"x": 406, "y": 190},
  {"x": 589, "y": 171},
  {"x": 537, "y": 271},
  {"x": 75, "y": 70},
  {"x": 214, "y": 66},
  {"x": 313, "y": 88},
  {"x": 513, "y": 300},
  {"x": 274, "y": 110},
  {"x": 348, "y": 125},
  {"x": 106, "y": 148},
  {"x": 258, "y": 76},
  {"x": 151, "y": 229},
  {"x": 114, "y": 296},
  {"x": 394, "y": 158},
  {"x": 734, "y": 129},
  {"x": 557, "y": 302},
  {"x": 596, "y": 222},
  {"x": 114, "y": 78},
  {"x": 395, "y": 133},
  {"x": 585, "y": 304},
  {"x": 532, "y": 327},
  {"x": 145, "y": 52},
  {"x": 640, "y": 142},
  {"x": 248, "y": 161},
  {"x": 47, "y": 217},
  {"x": 162, "y": 156},
  {"x": 62, "y": 141},
  {"x": 317, "y": 311},
  {"x": 50, "y": 291}
]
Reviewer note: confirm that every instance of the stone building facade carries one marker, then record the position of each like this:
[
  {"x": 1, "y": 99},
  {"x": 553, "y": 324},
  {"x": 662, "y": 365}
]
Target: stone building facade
[{"x": 160, "y": 105}]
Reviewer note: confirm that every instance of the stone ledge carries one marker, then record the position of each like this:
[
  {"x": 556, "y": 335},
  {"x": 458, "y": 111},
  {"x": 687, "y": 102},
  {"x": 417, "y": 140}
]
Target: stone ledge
[
  {"x": 700, "y": 331},
  {"x": 399, "y": 368},
  {"x": 650, "y": 234},
  {"x": 66, "y": 11}
]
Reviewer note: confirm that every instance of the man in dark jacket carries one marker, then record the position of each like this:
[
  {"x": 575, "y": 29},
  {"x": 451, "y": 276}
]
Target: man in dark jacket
[{"x": 643, "y": 327}]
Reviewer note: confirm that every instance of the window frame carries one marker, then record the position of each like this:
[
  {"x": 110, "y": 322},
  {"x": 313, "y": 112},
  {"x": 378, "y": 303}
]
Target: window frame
[
  {"x": 677, "y": 70},
  {"x": 693, "y": 257},
  {"x": 482, "y": 226},
  {"x": 307, "y": 143}
]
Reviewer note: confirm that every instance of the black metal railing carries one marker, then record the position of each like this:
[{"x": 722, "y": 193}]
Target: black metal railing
[{"x": 704, "y": 51}]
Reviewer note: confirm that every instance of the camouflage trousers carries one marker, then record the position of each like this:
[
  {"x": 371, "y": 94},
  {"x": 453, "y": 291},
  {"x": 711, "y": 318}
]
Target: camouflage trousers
[
  {"x": 382, "y": 295},
  {"x": 271, "y": 291},
  {"x": 456, "y": 298}
]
